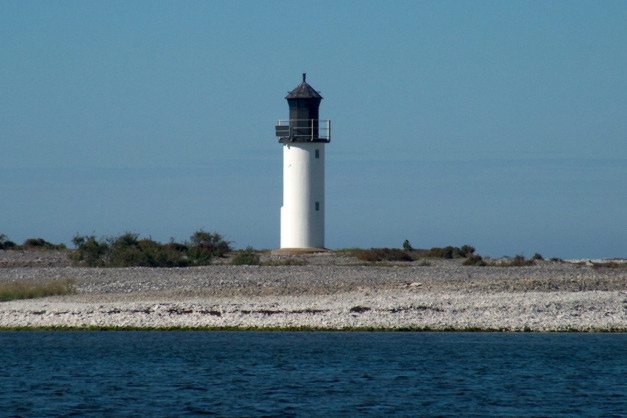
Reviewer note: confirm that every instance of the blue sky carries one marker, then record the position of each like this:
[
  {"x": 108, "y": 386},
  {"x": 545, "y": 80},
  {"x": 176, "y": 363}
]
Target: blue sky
[{"x": 499, "y": 124}]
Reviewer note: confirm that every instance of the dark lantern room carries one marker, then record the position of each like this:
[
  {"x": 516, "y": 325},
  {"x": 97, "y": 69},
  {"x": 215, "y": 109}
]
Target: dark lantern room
[{"x": 303, "y": 123}]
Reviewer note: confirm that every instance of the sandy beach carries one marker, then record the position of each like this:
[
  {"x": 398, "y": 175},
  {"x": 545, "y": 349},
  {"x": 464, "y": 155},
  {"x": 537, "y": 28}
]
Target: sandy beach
[{"x": 331, "y": 291}]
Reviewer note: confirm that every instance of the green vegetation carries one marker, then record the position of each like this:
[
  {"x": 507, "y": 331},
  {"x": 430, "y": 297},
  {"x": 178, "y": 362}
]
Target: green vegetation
[
  {"x": 610, "y": 265},
  {"x": 206, "y": 245},
  {"x": 475, "y": 260},
  {"x": 408, "y": 253},
  {"x": 246, "y": 257},
  {"x": 128, "y": 250},
  {"x": 517, "y": 261},
  {"x": 374, "y": 255},
  {"x": 90, "y": 251},
  {"x": 448, "y": 252},
  {"x": 29, "y": 244},
  {"x": 5, "y": 243},
  {"x": 40, "y": 244},
  {"x": 30, "y": 290}
]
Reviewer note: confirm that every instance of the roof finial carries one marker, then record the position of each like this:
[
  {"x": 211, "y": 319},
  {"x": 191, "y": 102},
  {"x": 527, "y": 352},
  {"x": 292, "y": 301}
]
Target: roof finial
[{"x": 304, "y": 77}]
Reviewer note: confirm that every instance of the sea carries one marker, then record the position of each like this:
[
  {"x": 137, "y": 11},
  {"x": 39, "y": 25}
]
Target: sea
[{"x": 325, "y": 374}]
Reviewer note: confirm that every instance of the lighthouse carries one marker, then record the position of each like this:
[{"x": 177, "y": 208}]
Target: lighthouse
[{"x": 303, "y": 137}]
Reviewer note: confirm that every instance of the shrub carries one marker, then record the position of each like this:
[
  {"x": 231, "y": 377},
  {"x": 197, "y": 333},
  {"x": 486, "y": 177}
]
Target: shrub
[
  {"x": 537, "y": 256},
  {"x": 609, "y": 264},
  {"x": 206, "y": 245},
  {"x": 198, "y": 256},
  {"x": 124, "y": 251},
  {"x": 475, "y": 260},
  {"x": 211, "y": 242},
  {"x": 517, "y": 261},
  {"x": 128, "y": 250},
  {"x": 40, "y": 243},
  {"x": 30, "y": 290},
  {"x": 374, "y": 255},
  {"x": 246, "y": 257},
  {"x": 167, "y": 255},
  {"x": 175, "y": 246},
  {"x": 90, "y": 251},
  {"x": 407, "y": 246},
  {"x": 5, "y": 243},
  {"x": 467, "y": 250},
  {"x": 446, "y": 252}
]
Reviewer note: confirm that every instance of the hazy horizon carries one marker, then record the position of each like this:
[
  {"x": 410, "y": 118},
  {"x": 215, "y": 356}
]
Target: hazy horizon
[{"x": 496, "y": 124}]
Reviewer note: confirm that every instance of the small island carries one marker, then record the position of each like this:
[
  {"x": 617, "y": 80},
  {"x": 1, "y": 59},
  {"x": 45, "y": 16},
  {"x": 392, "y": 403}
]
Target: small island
[{"x": 441, "y": 289}]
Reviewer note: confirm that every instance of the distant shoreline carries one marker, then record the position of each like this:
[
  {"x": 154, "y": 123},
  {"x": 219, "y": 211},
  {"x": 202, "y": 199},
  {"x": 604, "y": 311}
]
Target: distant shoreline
[
  {"x": 298, "y": 329},
  {"x": 325, "y": 292}
]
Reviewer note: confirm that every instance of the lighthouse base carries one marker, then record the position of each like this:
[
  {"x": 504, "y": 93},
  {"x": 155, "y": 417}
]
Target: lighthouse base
[{"x": 297, "y": 251}]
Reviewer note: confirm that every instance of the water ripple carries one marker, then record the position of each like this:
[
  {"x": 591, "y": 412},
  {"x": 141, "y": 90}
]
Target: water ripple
[{"x": 311, "y": 374}]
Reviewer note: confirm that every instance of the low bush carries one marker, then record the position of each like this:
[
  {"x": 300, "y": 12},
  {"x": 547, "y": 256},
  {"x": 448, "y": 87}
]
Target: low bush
[
  {"x": 537, "y": 256},
  {"x": 40, "y": 244},
  {"x": 206, "y": 245},
  {"x": 211, "y": 242},
  {"x": 450, "y": 252},
  {"x": 90, "y": 251},
  {"x": 30, "y": 290},
  {"x": 475, "y": 260},
  {"x": 6, "y": 243},
  {"x": 517, "y": 261},
  {"x": 246, "y": 257},
  {"x": 374, "y": 255},
  {"x": 408, "y": 253},
  {"x": 128, "y": 250},
  {"x": 609, "y": 264},
  {"x": 467, "y": 250}
]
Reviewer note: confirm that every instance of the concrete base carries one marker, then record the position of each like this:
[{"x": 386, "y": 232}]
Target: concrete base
[{"x": 297, "y": 251}]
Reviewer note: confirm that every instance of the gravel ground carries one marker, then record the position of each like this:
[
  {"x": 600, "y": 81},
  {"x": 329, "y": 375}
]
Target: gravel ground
[{"x": 331, "y": 291}]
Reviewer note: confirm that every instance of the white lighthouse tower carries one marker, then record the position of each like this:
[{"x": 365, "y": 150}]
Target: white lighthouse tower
[{"x": 303, "y": 137}]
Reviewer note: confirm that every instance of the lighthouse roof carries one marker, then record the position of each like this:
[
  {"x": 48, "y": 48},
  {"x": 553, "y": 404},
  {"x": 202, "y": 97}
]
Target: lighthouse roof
[{"x": 303, "y": 91}]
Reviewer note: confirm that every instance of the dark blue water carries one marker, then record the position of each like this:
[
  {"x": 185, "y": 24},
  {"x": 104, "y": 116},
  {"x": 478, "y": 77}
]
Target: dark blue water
[{"x": 311, "y": 373}]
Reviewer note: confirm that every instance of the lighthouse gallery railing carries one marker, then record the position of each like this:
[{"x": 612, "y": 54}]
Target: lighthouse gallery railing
[{"x": 302, "y": 130}]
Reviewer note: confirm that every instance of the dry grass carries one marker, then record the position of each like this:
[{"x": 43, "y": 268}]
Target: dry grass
[
  {"x": 31, "y": 289},
  {"x": 610, "y": 265},
  {"x": 374, "y": 255},
  {"x": 247, "y": 257}
]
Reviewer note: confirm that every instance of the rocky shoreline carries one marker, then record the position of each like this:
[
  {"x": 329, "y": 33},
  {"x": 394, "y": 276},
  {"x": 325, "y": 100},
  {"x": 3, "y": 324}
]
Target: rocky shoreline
[{"x": 332, "y": 291}]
